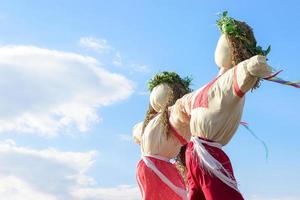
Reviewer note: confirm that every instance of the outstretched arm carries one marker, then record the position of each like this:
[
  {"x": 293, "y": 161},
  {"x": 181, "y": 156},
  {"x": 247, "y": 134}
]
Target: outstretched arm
[
  {"x": 248, "y": 72},
  {"x": 137, "y": 132},
  {"x": 181, "y": 110},
  {"x": 180, "y": 115},
  {"x": 242, "y": 78}
]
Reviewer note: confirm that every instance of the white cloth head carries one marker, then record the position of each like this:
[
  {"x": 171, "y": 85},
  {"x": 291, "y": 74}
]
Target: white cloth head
[
  {"x": 159, "y": 96},
  {"x": 222, "y": 53}
]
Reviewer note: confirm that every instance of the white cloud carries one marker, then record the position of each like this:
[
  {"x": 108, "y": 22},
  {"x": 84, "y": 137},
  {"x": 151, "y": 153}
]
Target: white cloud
[
  {"x": 46, "y": 92},
  {"x": 117, "y": 60},
  {"x": 101, "y": 45},
  {"x": 13, "y": 188},
  {"x": 124, "y": 192},
  {"x": 50, "y": 174},
  {"x": 47, "y": 171},
  {"x": 140, "y": 68},
  {"x": 98, "y": 45}
]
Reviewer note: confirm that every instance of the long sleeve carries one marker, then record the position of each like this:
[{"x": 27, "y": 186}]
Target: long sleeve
[
  {"x": 181, "y": 110},
  {"x": 180, "y": 114},
  {"x": 137, "y": 132},
  {"x": 250, "y": 70},
  {"x": 220, "y": 104}
]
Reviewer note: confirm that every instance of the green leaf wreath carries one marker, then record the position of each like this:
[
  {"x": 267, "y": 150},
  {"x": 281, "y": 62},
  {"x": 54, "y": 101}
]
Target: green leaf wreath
[
  {"x": 228, "y": 26},
  {"x": 169, "y": 77}
]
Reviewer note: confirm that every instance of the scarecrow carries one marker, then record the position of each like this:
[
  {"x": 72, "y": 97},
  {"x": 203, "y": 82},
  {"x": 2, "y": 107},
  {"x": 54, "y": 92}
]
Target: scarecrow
[
  {"x": 161, "y": 136},
  {"x": 217, "y": 109},
  {"x": 208, "y": 118}
]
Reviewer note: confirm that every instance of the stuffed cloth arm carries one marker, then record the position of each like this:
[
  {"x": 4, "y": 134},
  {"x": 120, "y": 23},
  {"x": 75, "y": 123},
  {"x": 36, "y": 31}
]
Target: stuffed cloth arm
[
  {"x": 137, "y": 132},
  {"x": 181, "y": 110},
  {"x": 180, "y": 115},
  {"x": 248, "y": 72}
]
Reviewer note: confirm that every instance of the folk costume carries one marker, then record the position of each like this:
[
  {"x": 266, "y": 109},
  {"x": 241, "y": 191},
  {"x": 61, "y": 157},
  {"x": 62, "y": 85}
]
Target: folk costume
[
  {"x": 207, "y": 118},
  {"x": 161, "y": 138},
  {"x": 216, "y": 112}
]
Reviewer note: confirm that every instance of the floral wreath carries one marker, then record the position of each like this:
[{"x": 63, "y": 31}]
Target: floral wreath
[
  {"x": 227, "y": 25},
  {"x": 169, "y": 77}
]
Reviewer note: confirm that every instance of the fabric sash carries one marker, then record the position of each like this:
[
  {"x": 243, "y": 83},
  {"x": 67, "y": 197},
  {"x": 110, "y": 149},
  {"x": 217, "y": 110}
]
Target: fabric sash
[
  {"x": 181, "y": 192},
  {"x": 212, "y": 165}
]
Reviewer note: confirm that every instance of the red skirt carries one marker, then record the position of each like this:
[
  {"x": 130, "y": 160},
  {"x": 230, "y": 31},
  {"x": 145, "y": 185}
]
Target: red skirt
[
  {"x": 151, "y": 185},
  {"x": 203, "y": 185}
]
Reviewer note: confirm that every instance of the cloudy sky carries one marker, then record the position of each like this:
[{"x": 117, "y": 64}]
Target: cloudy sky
[{"x": 73, "y": 83}]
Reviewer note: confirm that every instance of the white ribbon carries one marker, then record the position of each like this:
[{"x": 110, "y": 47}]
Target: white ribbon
[
  {"x": 141, "y": 186},
  {"x": 181, "y": 192},
  {"x": 213, "y": 166}
]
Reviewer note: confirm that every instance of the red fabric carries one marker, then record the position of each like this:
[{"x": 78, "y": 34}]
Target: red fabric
[
  {"x": 201, "y": 99},
  {"x": 204, "y": 186},
  {"x": 236, "y": 86},
  {"x": 152, "y": 186}
]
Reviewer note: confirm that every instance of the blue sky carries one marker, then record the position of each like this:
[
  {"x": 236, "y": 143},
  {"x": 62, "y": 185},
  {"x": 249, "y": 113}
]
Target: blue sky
[{"x": 73, "y": 83}]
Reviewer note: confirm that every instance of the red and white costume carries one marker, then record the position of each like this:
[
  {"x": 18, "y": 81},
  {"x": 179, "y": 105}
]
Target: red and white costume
[
  {"x": 211, "y": 115},
  {"x": 215, "y": 112},
  {"x": 157, "y": 177}
]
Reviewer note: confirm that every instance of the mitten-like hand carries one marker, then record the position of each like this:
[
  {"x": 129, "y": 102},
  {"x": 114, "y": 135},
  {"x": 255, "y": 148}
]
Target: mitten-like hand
[{"x": 257, "y": 66}]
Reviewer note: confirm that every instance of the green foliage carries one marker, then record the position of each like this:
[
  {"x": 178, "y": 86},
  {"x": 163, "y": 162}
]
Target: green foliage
[
  {"x": 169, "y": 77},
  {"x": 228, "y": 26}
]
